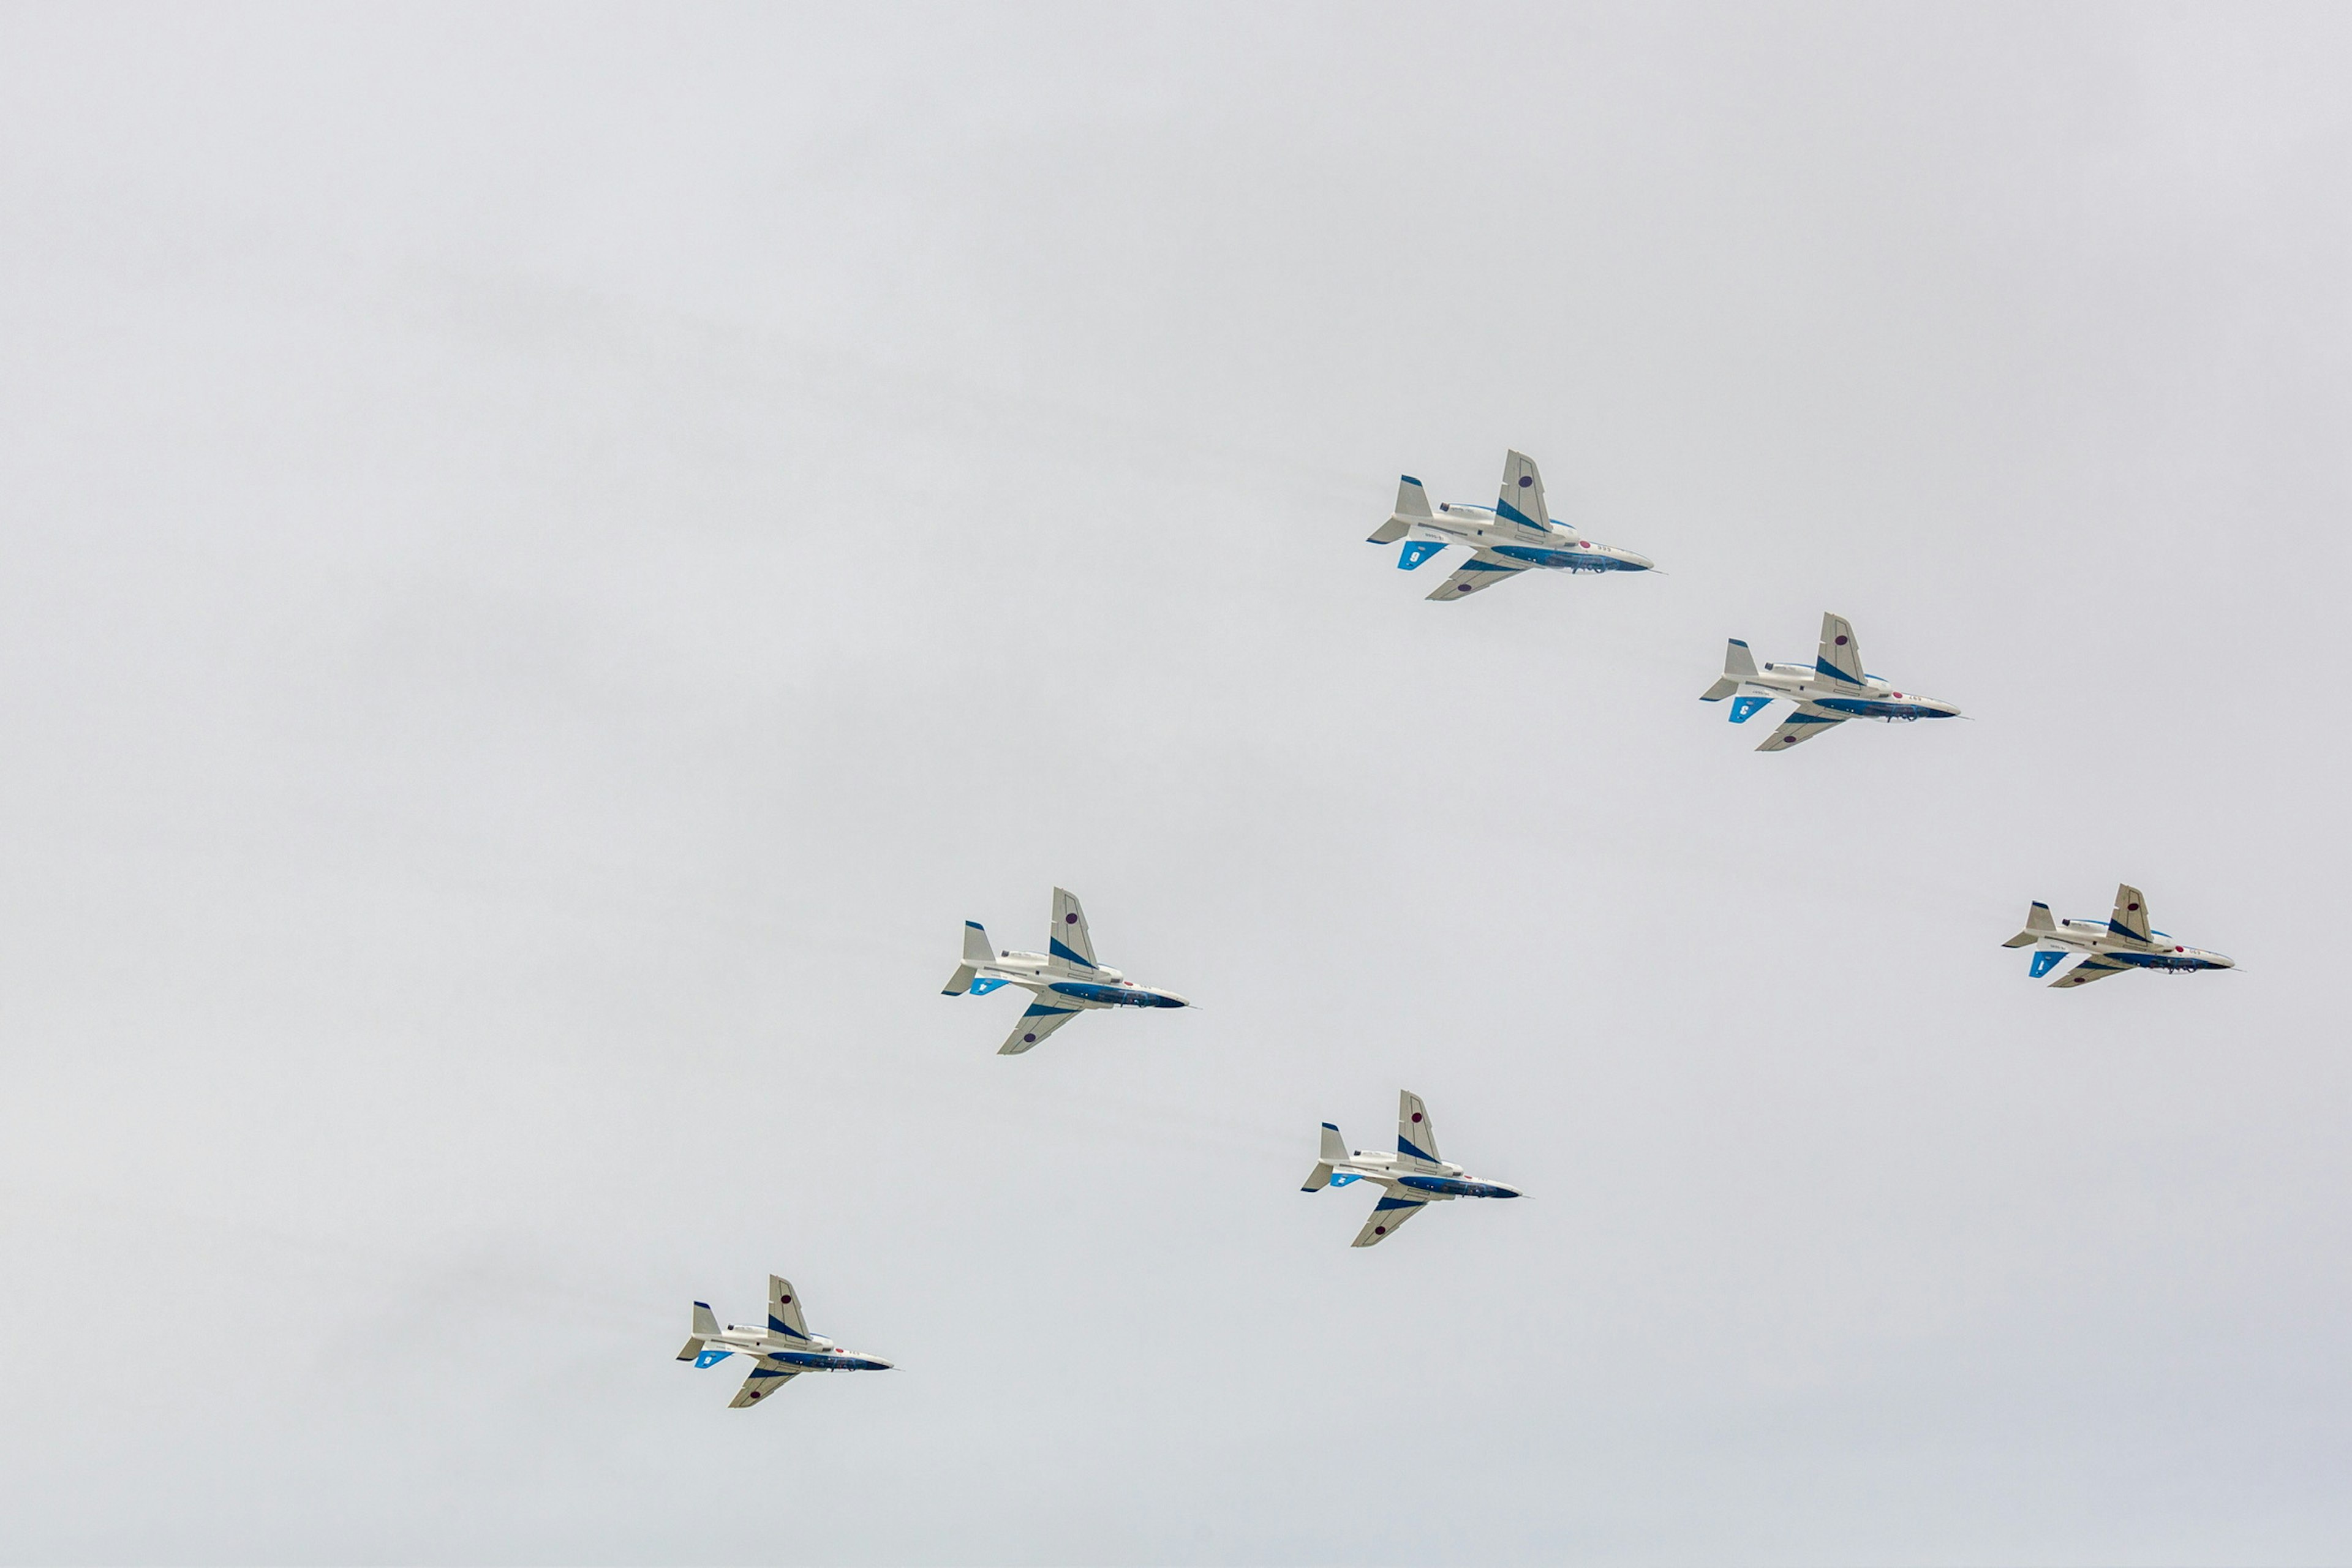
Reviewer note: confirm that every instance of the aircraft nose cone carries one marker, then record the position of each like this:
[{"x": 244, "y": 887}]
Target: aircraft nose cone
[
  {"x": 1638, "y": 562},
  {"x": 2221, "y": 962},
  {"x": 1506, "y": 1192},
  {"x": 1169, "y": 999}
]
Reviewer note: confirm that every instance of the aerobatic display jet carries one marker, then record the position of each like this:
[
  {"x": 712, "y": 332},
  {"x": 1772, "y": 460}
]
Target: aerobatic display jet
[
  {"x": 2123, "y": 942},
  {"x": 1515, "y": 534},
  {"x": 780, "y": 1351},
  {"x": 1411, "y": 1179},
  {"x": 1062, "y": 980},
  {"x": 1832, "y": 690}
]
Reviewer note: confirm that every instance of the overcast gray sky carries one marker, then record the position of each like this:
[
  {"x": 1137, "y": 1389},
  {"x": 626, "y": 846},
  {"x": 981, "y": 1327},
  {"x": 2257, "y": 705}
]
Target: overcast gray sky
[{"x": 555, "y": 554}]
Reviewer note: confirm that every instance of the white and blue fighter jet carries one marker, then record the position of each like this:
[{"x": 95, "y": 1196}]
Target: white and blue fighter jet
[
  {"x": 1515, "y": 534},
  {"x": 1411, "y": 1179},
  {"x": 1829, "y": 691},
  {"x": 1062, "y": 980},
  {"x": 780, "y": 1351},
  {"x": 2121, "y": 942}
]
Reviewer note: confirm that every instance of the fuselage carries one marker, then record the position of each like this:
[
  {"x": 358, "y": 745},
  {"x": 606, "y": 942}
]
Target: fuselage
[
  {"x": 814, "y": 1354},
  {"x": 1083, "y": 987},
  {"x": 2160, "y": 953},
  {"x": 1873, "y": 699},
  {"x": 1445, "y": 1180},
  {"x": 1457, "y": 522}
]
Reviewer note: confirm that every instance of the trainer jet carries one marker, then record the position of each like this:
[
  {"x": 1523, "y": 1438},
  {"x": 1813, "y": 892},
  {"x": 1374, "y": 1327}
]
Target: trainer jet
[
  {"x": 1411, "y": 1179},
  {"x": 2123, "y": 941},
  {"x": 780, "y": 1351},
  {"x": 1515, "y": 534},
  {"x": 1063, "y": 981},
  {"x": 1827, "y": 692}
]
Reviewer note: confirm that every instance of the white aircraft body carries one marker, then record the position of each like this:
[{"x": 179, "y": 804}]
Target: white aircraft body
[
  {"x": 2123, "y": 942},
  {"x": 1062, "y": 980},
  {"x": 1411, "y": 1179},
  {"x": 780, "y": 1351},
  {"x": 1829, "y": 691},
  {"x": 1515, "y": 534}
]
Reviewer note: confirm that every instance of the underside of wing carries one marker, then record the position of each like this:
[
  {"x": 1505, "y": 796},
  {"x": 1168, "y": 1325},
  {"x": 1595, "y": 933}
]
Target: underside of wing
[
  {"x": 1384, "y": 1219},
  {"x": 1802, "y": 725},
  {"x": 1042, "y": 1019},
  {"x": 2090, "y": 969},
  {"x": 767, "y": 1376},
  {"x": 1483, "y": 570}
]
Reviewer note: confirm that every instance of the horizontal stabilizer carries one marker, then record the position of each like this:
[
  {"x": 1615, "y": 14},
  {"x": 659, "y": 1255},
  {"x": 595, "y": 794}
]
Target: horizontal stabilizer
[
  {"x": 1335, "y": 1148},
  {"x": 1317, "y": 1179},
  {"x": 1389, "y": 532},
  {"x": 960, "y": 982},
  {"x": 1411, "y": 507}
]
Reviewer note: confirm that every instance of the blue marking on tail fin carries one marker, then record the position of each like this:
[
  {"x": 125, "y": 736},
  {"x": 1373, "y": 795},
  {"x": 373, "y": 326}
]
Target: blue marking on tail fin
[
  {"x": 1743, "y": 709},
  {"x": 982, "y": 987},
  {"x": 711, "y": 1358},
  {"x": 2044, "y": 963},
  {"x": 1416, "y": 552}
]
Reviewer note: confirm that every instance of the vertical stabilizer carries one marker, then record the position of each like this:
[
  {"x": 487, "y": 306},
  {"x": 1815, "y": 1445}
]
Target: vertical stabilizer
[
  {"x": 1411, "y": 507},
  {"x": 1738, "y": 665},
  {"x": 705, "y": 1327},
  {"x": 2038, "y": 925}
]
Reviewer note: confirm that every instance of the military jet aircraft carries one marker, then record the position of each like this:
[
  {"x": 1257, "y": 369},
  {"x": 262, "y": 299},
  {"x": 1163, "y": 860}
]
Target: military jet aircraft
[
  {"x": 1411, "y": 1179},
  {"x": 1515, "y": 534},
  {"x": 778, "y": 1353},
  {"x": 2123, "y": 941},
  {"x": 1064, "y": 979},
  {"x": 1827, "y": 692}
]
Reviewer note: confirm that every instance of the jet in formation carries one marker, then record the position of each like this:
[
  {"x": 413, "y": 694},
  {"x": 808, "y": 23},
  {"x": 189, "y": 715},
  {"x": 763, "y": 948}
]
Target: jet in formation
[
  {"x": 1515, "y": 534},
  {"x": 1062, "y": 980},
  {"x": 1411, "y": 1179},
  {"x": 2123, "y": 942},
  {"x": 1829, "y": 691},
  {"x": 780, "y": 1352}
]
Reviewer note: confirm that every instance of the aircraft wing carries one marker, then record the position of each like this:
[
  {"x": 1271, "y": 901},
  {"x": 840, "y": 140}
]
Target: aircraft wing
[
  {"x": 1483, "y": 570},
  {"x": 2130, "y": 917},
  {"x": 1390, "y": 1213},
  {"x": 1042, "y": 1019},
  {"x": 767, "y": 1376},
  {"x": 2090, "y": 969},
  {"x": 1805, "y": 723}
]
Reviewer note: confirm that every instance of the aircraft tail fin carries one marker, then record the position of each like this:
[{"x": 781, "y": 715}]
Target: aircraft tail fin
[
  {"x": 1738, "y": 665},
  {"x": 976, "y": 952},
  {"x": 1411, "y": 507},
  {"x": 2038, "y": 924},
  {"x": 706, "y": 1327},
  {"x": 1334, "y": 1150}
]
